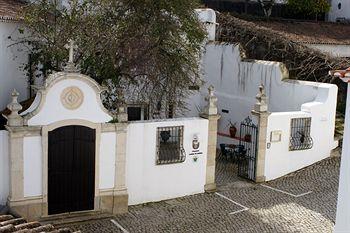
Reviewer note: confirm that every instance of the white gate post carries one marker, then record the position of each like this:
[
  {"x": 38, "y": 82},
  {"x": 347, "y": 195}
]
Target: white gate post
[
  {"x": 211, "y": 113},
  {"x": 15, "y": 128},
  {"x": 261, "y": 112},
  {"x": 120, "y": 199}
]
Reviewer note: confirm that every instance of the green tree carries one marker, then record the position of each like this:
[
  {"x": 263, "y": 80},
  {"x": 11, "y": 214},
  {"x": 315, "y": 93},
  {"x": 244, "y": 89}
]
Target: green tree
[
  {"x": 149, "y": 48},
  {"x": 309, "y": 7}
]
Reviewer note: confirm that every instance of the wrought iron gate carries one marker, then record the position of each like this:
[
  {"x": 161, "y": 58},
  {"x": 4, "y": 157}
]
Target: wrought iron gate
[{"x": 248, "y": 142}]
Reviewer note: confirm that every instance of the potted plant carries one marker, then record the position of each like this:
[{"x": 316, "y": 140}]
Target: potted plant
[
  {"x": 232, "y": 129},
  {"x": 165, "y": 135},
  {"x": 248, "y": 138}
]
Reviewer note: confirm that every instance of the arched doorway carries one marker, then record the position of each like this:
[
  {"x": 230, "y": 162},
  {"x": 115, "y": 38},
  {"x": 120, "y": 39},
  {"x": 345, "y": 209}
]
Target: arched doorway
[{"x": 71, "y": 169}]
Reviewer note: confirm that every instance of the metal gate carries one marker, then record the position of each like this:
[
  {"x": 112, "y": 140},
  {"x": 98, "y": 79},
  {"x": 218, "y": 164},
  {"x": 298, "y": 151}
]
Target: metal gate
[
  {"x": 71, "y": 169},
  {"x": 248, "y": 143}
]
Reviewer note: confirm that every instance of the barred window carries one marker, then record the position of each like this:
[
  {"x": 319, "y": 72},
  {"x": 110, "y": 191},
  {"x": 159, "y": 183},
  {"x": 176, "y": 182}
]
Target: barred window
[
  {"x": 170, "y": 145},
  {"x": 300, "y": 135}
]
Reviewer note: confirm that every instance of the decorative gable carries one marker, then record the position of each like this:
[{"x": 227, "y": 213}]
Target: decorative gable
[{"x": 67, "y": 96}]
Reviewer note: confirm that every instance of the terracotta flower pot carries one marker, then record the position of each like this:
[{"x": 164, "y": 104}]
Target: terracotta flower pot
[
  {"x": 248, "y": 138},
  {"x": 233, "y": 131}
]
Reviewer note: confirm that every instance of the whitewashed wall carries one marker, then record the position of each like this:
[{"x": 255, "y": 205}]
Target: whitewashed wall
[
  {"x": 208, "y": 17},
  {"x": 335, "y": 13},
  {"x": 146, "y": 181},
  {"x": 333, "y": 50},
  {"x": 107, "y": 160},
  {"x": 11, "y": 58},
  {"x": 32, "y": 166},
  {"x": 342, "y": 223},
  {"x": 279, "y": 161},
  {"x": 4, "y": 167},
  {"x": 237, "y": 81}
]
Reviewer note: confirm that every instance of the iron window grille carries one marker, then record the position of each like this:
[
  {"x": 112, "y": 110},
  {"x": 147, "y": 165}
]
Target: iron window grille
[
  {"x": 300, "y": 135},
  {"x": 170, "y": 145}
]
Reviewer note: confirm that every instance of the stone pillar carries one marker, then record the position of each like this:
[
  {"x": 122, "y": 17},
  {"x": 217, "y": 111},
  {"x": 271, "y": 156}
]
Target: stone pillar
[
  {"x": 14, "y": 119},
  {"x": 14, "y": 127},
  {"x": 211, "y": 113},
  {"x": 120, "y": 198},
  {"x": 260, "y": 111}
]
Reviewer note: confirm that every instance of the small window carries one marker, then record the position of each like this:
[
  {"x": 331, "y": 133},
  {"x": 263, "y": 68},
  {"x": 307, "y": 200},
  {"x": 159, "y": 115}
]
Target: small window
[
  {"x": 134, "y": 113},
  {"x": 339, "y": 5},
  {"x": 300, "y": 135},
  {"x": 170, "y": 145},
  {"x": 137, "y": 112},
  {"x": 193, "y": 88}
]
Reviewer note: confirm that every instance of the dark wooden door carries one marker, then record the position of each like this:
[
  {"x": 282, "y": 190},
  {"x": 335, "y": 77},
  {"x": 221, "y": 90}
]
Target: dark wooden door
[{"x": 71, "y": 169}]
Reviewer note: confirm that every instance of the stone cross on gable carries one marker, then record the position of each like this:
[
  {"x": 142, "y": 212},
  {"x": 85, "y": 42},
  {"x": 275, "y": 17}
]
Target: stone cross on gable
[
  {"x": 71, "y": 46},
  {"x": 70, "y": 67}
]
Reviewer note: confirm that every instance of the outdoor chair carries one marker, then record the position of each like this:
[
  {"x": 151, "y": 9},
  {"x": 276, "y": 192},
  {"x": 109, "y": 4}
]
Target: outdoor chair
[
  {"x": 240, "y": 152},
  {"x": 226, "y": 151}
]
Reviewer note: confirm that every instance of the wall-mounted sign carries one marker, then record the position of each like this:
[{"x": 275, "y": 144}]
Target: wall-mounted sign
[
  {"x": 276, "y": 136},
  {"x": 195, "y": 146}
]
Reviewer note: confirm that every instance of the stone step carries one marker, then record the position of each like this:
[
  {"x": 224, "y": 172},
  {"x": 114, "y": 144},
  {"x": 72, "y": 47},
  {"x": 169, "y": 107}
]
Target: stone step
[{"x": 62, "y": 220}]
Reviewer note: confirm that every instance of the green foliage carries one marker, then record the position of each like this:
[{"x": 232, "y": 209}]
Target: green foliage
[
  {"x": 309, "y": 7},
  {"x": 152, "y": 46}
]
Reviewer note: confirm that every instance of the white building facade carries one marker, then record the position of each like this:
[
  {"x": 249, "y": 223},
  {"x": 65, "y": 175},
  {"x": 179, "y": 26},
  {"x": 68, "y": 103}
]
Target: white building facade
[
  {"x": 65, "y": 147},
  {"x": 12, "y": 60},
  {"x": 342, "y": 223},
  {"x": 237, "y": 80},
  {"x": 340, "y": 11}
]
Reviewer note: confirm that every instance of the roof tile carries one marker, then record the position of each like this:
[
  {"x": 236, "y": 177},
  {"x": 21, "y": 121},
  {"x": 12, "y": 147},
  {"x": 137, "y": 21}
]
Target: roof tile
[
  {"x": 10, "y": 9},
  {"x": 310, "y": 32}
]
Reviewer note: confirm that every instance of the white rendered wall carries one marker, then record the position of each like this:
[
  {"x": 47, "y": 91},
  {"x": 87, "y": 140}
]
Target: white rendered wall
[
  {"x": 4, "y": 167},
  {"x": 208, "y": 17},
  {"x": 332, "y": 50},
  {"x": 32, "y": 166},
  {"x": 148, "y": 182},
  {"x": 107, "y": 160},
  {"x": 11, "y": 60},
  {"x": 279, "y": 161},
  {"x": 54, "y": 111},
  {"x": 236, "y": 84},
  {"x": 342, "y": 223},
  {"x": 335, "y": 13}
]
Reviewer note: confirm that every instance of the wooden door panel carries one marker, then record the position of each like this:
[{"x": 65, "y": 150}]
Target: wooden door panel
[{"x": 71, "y": 180}]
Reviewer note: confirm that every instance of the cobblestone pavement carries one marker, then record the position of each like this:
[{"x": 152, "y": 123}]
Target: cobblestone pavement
[{"x": 269, "y": 210}]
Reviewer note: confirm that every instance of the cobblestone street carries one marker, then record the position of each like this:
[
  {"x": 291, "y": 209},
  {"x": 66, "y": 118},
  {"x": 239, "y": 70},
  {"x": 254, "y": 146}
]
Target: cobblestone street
[{"x": 304, "y": 201}]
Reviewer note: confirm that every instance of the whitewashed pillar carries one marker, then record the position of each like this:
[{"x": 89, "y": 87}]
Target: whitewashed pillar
[
  {"x": 211, "y": 113},
  {"x": 342, "y": 223},
  {"x": 260, "y": 111}
]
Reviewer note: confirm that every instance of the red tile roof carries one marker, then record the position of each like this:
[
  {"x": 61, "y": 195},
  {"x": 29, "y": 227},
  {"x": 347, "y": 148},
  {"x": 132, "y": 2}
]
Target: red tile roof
[
  {"x": 10, "y": 9},
  {"x": 310, "y": 32},
  {"x": 9, "y": 223}
]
